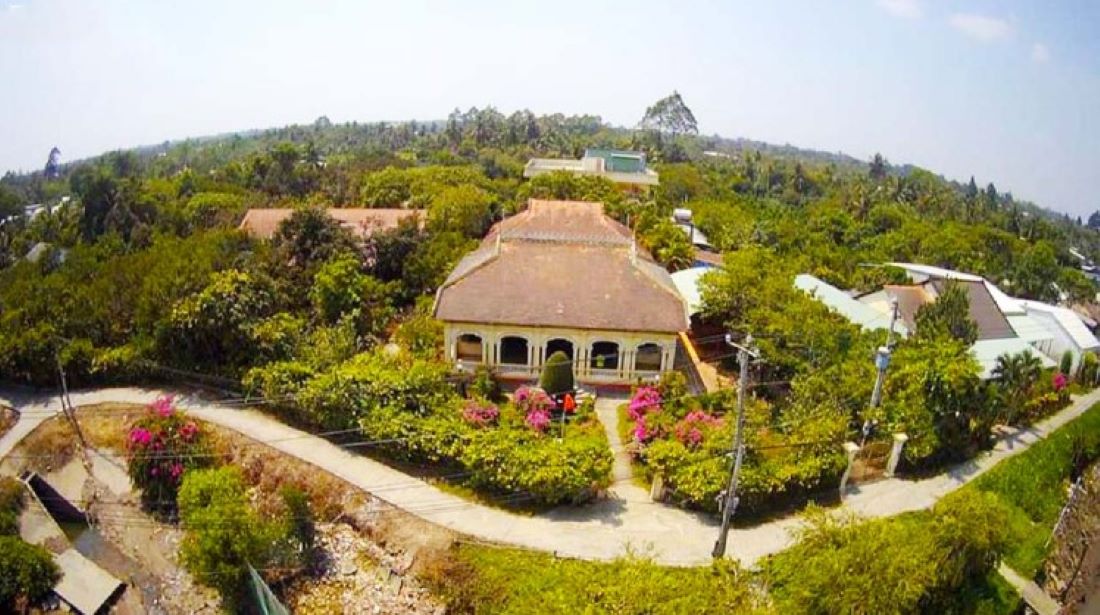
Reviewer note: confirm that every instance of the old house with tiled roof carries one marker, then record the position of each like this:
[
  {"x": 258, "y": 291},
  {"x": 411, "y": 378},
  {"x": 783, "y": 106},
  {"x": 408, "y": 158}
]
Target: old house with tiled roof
[
  {"x": 262, "y": 223},
  {"x": 562, "y": 276}
]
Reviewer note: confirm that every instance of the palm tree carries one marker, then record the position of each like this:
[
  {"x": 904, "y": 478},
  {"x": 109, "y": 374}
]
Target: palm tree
[{"x": 1017, "y": 374}]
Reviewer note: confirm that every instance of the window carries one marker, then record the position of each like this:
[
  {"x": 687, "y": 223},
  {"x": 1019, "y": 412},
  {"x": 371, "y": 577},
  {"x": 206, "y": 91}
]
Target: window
[{"x": 648, "y": 358}]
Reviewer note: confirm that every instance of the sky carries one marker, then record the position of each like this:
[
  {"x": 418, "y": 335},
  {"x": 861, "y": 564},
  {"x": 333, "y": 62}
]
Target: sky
[{"x": 1006, "y": 91}]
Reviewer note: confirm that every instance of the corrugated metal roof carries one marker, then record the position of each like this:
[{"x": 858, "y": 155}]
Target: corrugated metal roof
[
  {"x": 859, "y": 313},
  {"x": 1029, "y": 328},
  {"x": 1070, "y": 322},
  {"x": 987, "y": 352},
  {"x": 687, "y": 283},
  {"x": 538, "y": 166}
]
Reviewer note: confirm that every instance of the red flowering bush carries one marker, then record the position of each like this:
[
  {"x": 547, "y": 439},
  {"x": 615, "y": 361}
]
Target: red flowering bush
[
  {"x": 480, "y": 413},
  {"x": 1059, "y": 381},
  {"x": 162, "y": 445}
]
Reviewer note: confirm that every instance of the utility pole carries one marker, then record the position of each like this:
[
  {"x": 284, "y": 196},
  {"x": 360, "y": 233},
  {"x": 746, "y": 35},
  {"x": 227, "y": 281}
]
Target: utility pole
[
  {"x": 729, "y": 503},
  {"x": 882, "y": 357},
  {"x": 66, "y": 403}
]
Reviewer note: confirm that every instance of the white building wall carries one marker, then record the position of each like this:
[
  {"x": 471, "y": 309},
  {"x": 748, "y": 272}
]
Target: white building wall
[{"x": 582, "y": 340}]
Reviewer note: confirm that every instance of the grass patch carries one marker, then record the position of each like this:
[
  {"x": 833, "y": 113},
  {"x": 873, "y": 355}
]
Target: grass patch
[
  {"x": 49, "y": 446},
  {"x": 1034, "y": 485},
  {"x": 481, "y": 579}
]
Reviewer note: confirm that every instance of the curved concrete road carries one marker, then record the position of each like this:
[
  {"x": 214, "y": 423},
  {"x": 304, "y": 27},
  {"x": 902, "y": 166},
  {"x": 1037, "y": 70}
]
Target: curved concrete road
[{"x": 625, "y": 521}]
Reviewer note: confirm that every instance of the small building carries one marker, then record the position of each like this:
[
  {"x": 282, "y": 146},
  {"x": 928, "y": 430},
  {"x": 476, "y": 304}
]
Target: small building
[
  {"x": 628, "y": 169},
  {"x": 562, "y": 276},
  {"x": 362, "y": 222}
]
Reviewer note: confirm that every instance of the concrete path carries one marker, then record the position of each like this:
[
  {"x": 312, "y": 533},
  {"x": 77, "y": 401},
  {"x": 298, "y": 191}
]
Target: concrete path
[
  {"x": 626, "y": 521},
  {"x": 1032, "y": 594},
  {"x": 622, "y": 473}
]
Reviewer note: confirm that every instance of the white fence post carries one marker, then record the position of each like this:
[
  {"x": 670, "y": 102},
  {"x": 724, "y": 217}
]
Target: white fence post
[
  {"x": 895, "y": 454},
  {"x": 851, "y": 448}
]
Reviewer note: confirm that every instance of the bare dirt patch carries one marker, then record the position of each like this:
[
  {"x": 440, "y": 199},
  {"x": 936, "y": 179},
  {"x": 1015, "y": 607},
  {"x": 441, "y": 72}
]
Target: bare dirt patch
[
  {"x": 368, "y": 550},
  {"x": 7, "y": 419}
]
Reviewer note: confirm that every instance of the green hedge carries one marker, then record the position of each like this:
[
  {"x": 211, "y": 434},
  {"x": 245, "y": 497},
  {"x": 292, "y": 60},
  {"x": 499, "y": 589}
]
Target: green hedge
[
  {"x": 408, "y": 405},
  {"x": 476, "y": 579},
  {"x": 916, "y": 563},
  {"x": 1034, "y": 486}
]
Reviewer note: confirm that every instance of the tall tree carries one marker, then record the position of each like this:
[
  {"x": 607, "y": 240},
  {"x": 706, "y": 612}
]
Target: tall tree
[
  {"x": 878, "y": 168},
  {"x": 948, "y": 316},
  {"x": 671, "y": 116},
  {"x": 53, "y": 164}
]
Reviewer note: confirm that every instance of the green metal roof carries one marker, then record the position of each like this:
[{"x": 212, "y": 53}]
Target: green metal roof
[{"x": 618, "y": 161}]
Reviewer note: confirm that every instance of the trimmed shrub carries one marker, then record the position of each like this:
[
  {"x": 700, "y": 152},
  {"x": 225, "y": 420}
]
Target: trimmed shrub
[
  {"x": 1087, "y": 373},
  {"x": 1065, "y": 366},
  {"x": 557, "y": 374}
]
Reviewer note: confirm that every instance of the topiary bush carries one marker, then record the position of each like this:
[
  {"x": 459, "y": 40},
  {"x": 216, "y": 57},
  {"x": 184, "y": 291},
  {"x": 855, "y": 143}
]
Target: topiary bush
[
  {"x": 1065, "y": 366},
  {"x": 557, "y": 374},
  {"x": 1088, "y": 370}
]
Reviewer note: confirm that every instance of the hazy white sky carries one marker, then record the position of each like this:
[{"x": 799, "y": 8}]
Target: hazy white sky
[{"x": 1006, "y": 91}]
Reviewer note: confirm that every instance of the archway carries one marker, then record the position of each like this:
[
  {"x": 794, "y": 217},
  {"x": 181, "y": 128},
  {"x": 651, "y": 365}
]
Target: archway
[
  {"x": 605, "y": 355},
  {"x": 559, "y": 344},
  {"x": 648, "y": 358},
  {"x": 468, "y": 348},
  {"x": 513, "y": 350}
]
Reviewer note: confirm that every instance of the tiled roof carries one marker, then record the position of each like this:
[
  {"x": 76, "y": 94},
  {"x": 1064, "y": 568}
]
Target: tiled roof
[
  {"x": 263, "y": 223},
  {"x": 562, "y": 264}
]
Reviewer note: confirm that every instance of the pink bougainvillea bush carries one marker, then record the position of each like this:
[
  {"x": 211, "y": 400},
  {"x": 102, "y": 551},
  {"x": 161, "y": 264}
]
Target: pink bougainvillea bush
[
  {"x": 535, "y": 406},
  {"x": 480, "y": 413},
  {"x": 693, "y": 428},
  {"x": 161, "y": 446},
  {"x": 646, "y": 401}
]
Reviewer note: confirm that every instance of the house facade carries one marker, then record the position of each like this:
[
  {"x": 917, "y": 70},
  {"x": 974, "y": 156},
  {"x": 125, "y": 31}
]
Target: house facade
[
  {"x": 561, "y": 276},
  {"x": 263, "y": 223}
]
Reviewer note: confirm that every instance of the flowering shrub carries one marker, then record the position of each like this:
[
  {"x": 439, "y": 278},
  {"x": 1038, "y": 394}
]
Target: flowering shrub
[
  {"x": 477, "y": 413},
  {"x": 693, "y": 427},
  {"x": 161, "y": 446},
  {"x": 1059, "y": 381},
  {"x": 538, "y": 419},
  {"x": 645, "y": 400},
  {"x": 535, "y": 405}
]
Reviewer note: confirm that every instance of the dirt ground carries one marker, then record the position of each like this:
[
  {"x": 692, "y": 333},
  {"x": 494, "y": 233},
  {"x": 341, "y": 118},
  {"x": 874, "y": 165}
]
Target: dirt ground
[
  {"x": 368, "y": 551},
  {"x": 7, "y": 419}
]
